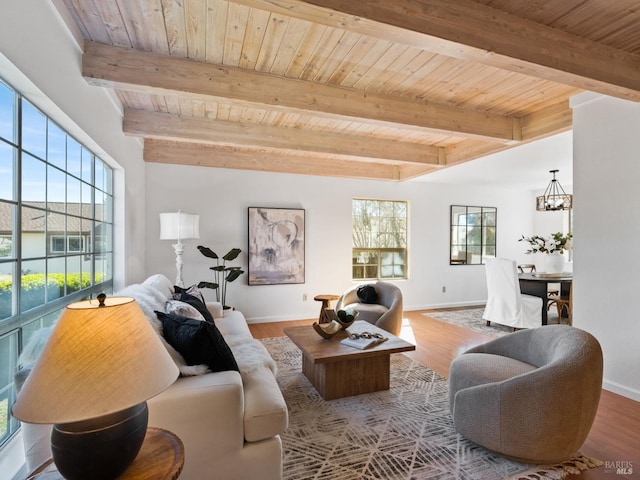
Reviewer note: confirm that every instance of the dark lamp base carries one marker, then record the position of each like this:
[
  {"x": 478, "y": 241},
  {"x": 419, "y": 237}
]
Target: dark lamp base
[{"x": 100, "y": 448}]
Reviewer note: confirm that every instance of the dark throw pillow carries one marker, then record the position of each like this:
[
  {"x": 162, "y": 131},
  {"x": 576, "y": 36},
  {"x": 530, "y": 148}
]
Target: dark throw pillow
[
  {"x": 198, "y": 305},
  {"x": 367, "y": 294},
  {"x": 200, "y": 343},
  {"x": 192, "y": 290}
]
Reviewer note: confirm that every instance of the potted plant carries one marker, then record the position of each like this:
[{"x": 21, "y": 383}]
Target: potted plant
[
  {"x": 554, "y": 246},
  {"x": 222, "y": 274},
  {"x": 554, "y": 243}
]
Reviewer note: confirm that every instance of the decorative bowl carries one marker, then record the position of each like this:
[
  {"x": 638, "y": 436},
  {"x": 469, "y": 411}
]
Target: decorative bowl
[
  {"x": 346, "y": 318},
  {"x": 327, "y": 330}
]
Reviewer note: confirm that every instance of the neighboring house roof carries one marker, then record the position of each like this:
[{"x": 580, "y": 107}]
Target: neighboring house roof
[{"x": 34, "y": 215}]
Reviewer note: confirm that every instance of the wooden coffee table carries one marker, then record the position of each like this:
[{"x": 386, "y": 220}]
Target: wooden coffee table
[{"x": 337, "y": 370}]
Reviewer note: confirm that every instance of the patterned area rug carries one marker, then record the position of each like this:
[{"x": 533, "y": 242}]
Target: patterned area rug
[
  {"x": 472, "y": 319},
  {"x": 403, "y": 433}
]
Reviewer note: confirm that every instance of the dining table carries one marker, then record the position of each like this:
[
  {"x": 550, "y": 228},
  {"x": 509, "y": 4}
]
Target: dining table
[{"x": 537, "y": 284}]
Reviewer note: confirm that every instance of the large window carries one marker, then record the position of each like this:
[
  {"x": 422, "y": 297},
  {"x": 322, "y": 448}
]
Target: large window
[
  {"x": 56, "y": 224},
  {"x": 379, "y": 239},
  {"x": 473, "y": 234}
]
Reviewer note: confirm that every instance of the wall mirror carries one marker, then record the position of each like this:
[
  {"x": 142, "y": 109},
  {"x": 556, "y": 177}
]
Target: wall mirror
[{"x": 473, "y": 234}]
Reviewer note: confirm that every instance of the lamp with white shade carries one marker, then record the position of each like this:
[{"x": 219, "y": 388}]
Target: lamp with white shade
[
  {"x": 101, "y": 364},
  {"x": 179, "y": 226}
]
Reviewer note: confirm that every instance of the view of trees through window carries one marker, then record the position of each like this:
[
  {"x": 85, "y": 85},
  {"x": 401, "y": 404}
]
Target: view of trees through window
[
  {"x": 56, "y": 230},
  {"x": 379, "y": 239}
]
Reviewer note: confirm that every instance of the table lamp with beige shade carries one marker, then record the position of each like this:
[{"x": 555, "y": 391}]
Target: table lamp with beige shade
[{"x": 100, "y": 365}]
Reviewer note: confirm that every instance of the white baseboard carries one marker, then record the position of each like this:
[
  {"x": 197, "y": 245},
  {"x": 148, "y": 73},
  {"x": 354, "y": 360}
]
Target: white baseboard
[
  {"x": 621, "y": 390},
  {"x": 478, "y": 303}
]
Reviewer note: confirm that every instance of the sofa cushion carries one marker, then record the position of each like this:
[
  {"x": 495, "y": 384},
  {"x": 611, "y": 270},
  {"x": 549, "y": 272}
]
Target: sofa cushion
[
  {"x": 160, "y": 283},
  {"x": 177, "y": 307},
  {"x": 233, "y": 324},
  {"x": 472, "y": 369},
  {"x": 216, "y": 309},
  {"x": 198, "y": 342},
  {"x": 198, "y": 305},
  {"x": 265, "y": 411},
  {"x": 369, "y": 312}
]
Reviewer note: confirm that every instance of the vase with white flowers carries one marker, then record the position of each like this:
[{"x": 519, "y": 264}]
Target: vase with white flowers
[{"x": 554, "y": 246}]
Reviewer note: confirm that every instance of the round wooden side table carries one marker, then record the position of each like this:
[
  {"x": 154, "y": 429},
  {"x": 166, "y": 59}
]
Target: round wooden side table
[
  {"x": 326, "y": 303},
  {"x": 161, "y": 457}
]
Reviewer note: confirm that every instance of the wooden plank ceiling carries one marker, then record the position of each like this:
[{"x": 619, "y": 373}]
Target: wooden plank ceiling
[{"x": 378, "y": 89}]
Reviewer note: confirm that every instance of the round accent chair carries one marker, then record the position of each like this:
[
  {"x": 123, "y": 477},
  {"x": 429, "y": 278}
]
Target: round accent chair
[
  {"x": 531, "y": 395},
  {"x": 384, "y": 310}
]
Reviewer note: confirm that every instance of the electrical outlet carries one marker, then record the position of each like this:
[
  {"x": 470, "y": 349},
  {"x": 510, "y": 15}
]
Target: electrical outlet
[
  {"x": 444, "y": 289},
  {"x": 304, "y": 297}
]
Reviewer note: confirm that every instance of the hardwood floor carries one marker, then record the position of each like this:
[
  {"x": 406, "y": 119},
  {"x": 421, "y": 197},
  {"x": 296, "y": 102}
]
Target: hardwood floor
[{"x": 614, "y": 437}]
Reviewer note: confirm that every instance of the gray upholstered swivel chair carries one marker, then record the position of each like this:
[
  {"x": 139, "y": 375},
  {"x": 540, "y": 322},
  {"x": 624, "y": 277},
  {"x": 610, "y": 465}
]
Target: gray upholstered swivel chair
[
  {"x": 386, "y": 313},
  {"x": 531, "y": 395}
]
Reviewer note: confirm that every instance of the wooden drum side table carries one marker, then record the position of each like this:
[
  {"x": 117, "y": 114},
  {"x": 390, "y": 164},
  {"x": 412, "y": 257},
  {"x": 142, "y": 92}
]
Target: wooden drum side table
[
  {"x": 326, "y": 303},
  {"x": 161, "y": 457}
]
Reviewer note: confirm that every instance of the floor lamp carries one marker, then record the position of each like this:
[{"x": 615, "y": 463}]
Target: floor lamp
[{"x": 179, "y": 226}]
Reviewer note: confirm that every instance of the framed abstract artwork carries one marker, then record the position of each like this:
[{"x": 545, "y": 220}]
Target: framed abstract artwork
[{"x": 276, "y": 246}]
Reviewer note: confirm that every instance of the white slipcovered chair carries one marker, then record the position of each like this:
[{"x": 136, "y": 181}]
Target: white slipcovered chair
[{"x": 505, "y": 304}]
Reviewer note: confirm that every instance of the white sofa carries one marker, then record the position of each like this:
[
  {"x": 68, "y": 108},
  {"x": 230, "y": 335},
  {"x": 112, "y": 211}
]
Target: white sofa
[{"x": 228, "y": 421}]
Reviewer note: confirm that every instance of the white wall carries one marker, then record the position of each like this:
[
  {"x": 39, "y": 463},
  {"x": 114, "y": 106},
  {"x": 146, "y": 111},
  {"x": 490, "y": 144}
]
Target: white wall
[
  {"x": 42, "y": 60},
  {"x": 221, "y": 198},
  {"x": 607, "y": 227}
]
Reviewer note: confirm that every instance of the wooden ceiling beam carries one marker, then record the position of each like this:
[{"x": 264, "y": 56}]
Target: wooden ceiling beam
[
  {"x": 166, "y": 126},
  {"x": 160, "y": 151},
  {"x": 468, "y": 30},
  {"x": 129, "y": 69},
  {"x": 468, "y": 150},
  {"x": 548, "y": 121}
]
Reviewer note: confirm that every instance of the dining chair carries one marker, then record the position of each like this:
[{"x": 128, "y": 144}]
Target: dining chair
[
  {"x": 506, "y": 305},
  {"x": 563, "y": 303},
  {"x": 531, "y": 268},
  {"x": 527, "y": 267}
]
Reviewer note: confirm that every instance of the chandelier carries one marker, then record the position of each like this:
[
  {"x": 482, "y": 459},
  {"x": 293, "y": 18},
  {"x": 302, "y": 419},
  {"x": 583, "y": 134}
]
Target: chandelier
[{"x": 554, "y": 197}]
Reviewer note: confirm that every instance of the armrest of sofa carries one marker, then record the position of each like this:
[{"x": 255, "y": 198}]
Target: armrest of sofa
[
  {"x": 205, "y": 411},
  {"x": 216, "y": 309}
]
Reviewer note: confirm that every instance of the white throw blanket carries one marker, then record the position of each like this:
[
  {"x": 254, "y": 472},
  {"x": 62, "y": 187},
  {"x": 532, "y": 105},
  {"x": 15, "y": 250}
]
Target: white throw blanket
[{"x": 250, "y": 355}]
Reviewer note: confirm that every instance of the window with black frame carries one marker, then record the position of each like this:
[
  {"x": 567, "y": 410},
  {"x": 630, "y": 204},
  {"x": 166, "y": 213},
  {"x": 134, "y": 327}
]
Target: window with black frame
[
  {"x": 473, "y": 234},
  {"x": 56, "y": 230}
]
